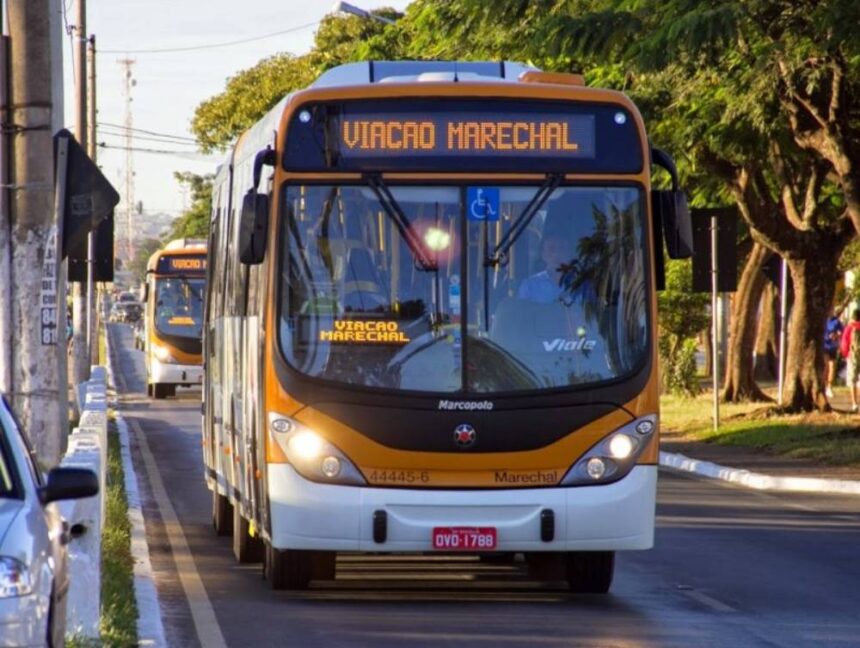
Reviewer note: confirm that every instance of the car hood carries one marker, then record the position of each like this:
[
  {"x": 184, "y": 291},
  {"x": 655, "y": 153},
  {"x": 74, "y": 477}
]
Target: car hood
[{"x": 9, "y": 510}]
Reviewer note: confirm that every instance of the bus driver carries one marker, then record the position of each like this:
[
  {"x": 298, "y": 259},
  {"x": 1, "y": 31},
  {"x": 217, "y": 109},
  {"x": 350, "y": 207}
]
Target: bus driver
[{"x": 545, "y": 286}]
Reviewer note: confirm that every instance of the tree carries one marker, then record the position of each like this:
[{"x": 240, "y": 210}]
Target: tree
[
  {"x": 251, "y": 93},
  {"x": 247, "y": 97},
  {"x": 683, "y": 313},
  {"x": 194, "y": 222},
  {"x": 761, "y": 96},
  {"x": 137, "y": 267}
]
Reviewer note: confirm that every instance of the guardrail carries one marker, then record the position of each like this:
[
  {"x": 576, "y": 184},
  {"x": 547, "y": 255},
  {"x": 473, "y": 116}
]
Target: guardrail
[{"x": 87, "y": 449}]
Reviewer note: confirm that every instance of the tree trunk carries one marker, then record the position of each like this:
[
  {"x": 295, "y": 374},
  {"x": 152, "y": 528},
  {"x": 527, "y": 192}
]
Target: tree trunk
[
  {"x": 767, "y": 336},
  {"x": 739, "y": 383},
  {"x": 708, "y": 343},
  {"x": 814, "y": 282}
]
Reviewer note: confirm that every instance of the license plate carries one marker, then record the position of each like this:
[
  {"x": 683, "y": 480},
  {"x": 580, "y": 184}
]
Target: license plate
[{"x": 464, "y": 538}]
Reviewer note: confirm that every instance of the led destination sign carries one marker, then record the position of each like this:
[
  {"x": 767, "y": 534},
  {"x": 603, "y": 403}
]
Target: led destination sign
[
  {"x": 182, "y": 264},
  {"x": 463, "y": 134}
]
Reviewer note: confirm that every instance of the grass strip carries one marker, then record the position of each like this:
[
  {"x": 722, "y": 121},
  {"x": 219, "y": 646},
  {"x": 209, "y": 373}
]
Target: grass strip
[
  {"x": 832, "y": 438},
  {"x": 119, "y": 608}
]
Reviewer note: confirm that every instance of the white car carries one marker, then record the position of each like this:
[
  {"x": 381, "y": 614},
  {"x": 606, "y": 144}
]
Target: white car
[{"x": 33, "y": 538}]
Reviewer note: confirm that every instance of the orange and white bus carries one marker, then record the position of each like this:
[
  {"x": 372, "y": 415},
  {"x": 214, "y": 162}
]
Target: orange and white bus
[
  {"x": 173, "y": 317},
  {"x": 431, "y": 322}
]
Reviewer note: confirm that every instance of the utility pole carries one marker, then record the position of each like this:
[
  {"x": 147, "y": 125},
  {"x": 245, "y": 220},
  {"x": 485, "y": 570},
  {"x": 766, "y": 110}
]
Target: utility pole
[
  {"x": 130, "y": 82},
  {"x": 92, "y": 324},
  {"x": 39, "y": 398},
  {"x": 81, "y": 349},
  {"x": 5, "y": 221}
]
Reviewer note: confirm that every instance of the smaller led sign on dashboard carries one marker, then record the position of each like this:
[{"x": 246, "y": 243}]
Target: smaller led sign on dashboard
[{"x": 462, "y": 134}]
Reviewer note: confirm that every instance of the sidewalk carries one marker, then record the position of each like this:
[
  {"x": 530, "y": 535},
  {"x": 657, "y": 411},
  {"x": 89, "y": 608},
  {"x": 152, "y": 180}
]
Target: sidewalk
[{"x": 760, "y": 461}]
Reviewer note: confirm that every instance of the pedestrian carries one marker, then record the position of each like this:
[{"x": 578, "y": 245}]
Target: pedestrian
[
  {"x": 851, "y": 350},
  {"x": 832, "y": 337}
]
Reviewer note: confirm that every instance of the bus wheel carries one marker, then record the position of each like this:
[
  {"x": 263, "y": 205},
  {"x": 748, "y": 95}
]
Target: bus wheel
[
  {"x": 149, "y": 389},
  {"x": 159, "y": 391},
  {"x": 590, "y": 572},
  {"x": 222, "y": 516},
  {"x": 245, "y": 548},
  {"x": 171, "y": 391}
]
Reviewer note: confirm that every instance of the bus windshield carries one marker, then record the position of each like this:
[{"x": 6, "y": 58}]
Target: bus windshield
[
  {"x": 565, "y": 305},
  {"x": 179, "y": 306}
]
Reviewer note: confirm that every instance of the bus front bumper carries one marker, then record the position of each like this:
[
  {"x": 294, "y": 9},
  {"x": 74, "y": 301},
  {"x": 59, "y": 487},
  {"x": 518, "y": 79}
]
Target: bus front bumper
[
  {"x": 175, "y": 374},
  {"x": 308, "y": 515}
]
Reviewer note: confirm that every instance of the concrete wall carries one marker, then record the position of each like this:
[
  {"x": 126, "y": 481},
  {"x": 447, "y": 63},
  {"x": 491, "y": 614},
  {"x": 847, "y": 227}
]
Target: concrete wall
[{"x": 87, "y": 449}]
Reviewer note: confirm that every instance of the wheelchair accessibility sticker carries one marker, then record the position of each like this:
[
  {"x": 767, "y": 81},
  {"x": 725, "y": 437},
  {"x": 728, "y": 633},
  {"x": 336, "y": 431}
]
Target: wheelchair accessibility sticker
[{"x": 483, "y": 203}]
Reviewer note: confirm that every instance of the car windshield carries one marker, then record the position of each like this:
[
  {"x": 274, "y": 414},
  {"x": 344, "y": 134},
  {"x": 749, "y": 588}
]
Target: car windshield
[
  {"x": 521, "y": 294},
  {"x": 179, "y": 306}
]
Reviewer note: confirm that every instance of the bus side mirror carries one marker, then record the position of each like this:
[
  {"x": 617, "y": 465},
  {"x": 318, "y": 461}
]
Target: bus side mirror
[
  {"x": 253, "y": 226},
  {"x": 674, "y": 214},
  {"x": 144, "y": 297}
]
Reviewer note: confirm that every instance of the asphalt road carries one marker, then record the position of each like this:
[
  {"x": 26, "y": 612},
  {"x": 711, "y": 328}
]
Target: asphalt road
[{"x": 730, "y": 568}]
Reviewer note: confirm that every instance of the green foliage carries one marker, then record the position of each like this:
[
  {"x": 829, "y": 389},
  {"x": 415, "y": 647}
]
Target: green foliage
[
  {"x": 680, "y": 376},
  {"x": 683, "y": 314},
  {"x": 251, "y": 93},
  {"x": 137, "y": 266},
  {"x": 119, "y": 610},
  {"x": 194, "y": 222},
  {"x": 248, "y": 96}
]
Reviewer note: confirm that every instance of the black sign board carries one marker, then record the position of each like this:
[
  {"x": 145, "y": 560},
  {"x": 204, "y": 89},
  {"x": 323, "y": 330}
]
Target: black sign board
[
  {"x": 104, "y": 252},
  {"x": 89, "y": 197},
  {"x": 464, "y": 134},
  {"x": 727, "y": 250}
]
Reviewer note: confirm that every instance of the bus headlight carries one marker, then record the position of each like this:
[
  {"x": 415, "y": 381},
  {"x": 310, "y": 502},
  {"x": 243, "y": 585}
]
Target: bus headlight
[
  {"x": 613, "y": 456},
  {"x": 163, "y": 354},
  {"x": 311, "y": 455}
]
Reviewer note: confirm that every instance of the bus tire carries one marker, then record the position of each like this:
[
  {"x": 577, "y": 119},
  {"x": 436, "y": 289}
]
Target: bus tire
[
  {"x": 159, "y": 391},
  {"x": 222, "y": 515},
  {"x": 149, "y": 389},
  {"x": 287, "y": 570},
  {"x": 245, "y": 548},
  {"x": 590, "y": 572}
]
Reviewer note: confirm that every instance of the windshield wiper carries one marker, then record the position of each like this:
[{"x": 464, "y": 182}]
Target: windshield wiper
[
  {"x": 500, "y": 254},
  {"x": 392, "y": 209}
]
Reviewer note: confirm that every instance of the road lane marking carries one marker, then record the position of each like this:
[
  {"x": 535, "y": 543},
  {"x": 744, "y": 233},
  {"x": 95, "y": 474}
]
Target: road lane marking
[
  {"x": 707, "y": 601},
  {"x": 202, "y": 612}
]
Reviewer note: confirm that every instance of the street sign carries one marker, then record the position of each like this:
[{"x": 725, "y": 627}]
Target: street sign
[
  {"x": 89, "y": 197},
  {"x": 727, "y": 235}
]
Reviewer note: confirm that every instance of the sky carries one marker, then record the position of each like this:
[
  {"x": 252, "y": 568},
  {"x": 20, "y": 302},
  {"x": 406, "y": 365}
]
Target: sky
[{"x": 170, "y": 85}]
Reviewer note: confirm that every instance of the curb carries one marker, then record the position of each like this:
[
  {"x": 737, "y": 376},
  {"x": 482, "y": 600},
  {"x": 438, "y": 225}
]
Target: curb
[
  {"x": 150, "y": 628},
  {"x": 758, "y": 481}
]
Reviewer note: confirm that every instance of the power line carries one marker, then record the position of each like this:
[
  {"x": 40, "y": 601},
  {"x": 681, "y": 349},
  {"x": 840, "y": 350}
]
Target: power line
[
  {"x": 211, "y": 45},
  {"x": 147, "y": 132},
  {"x": 183, "y": 154},
  {"x": 161, "y": 140}
]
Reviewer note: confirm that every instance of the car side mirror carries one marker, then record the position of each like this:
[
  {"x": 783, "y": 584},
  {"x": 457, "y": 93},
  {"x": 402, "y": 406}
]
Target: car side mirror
[
  {"x": 253, "y": 227},
  {"x": 69, "y": 483}
]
